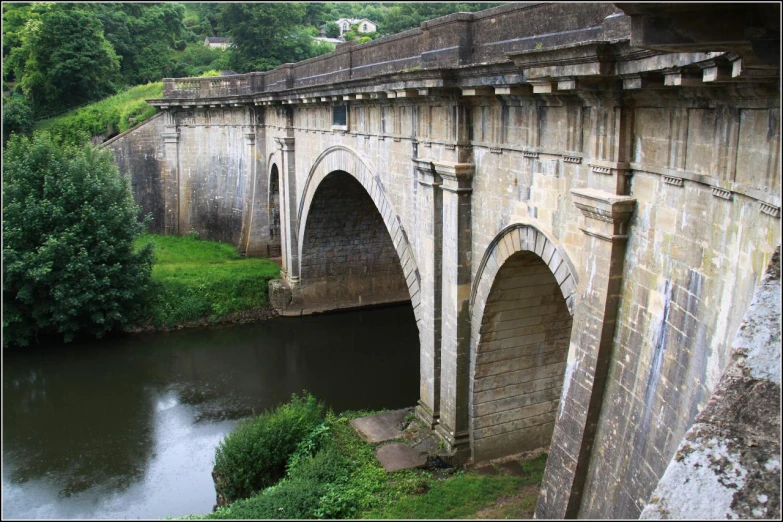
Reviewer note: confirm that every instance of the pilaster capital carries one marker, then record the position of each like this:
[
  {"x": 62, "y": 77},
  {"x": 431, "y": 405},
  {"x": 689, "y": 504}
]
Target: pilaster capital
[
  {"x": 457, "y": 177},
  {"x": 606, "y": 214},
  {"x": 285, "y": 144},
  {"x": 425, "y": 172}
]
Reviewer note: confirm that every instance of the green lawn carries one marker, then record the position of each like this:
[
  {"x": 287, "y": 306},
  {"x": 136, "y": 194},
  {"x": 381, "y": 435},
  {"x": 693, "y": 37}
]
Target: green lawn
[{"x": 193, "y": 279}]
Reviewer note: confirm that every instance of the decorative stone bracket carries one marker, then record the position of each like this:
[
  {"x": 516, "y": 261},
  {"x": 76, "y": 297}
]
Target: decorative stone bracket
[{"x": 606, "y": 214}]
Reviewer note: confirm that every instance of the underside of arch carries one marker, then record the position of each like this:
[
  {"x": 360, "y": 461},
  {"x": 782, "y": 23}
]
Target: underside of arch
[
  {"x": 522, "y": 320},
  {"x": 353, "y": 249}
]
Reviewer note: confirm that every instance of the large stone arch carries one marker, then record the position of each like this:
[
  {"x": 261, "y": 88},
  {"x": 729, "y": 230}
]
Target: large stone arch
[
  {"x": 522, "y": 308},
  {"x": 341, "y": 158}
]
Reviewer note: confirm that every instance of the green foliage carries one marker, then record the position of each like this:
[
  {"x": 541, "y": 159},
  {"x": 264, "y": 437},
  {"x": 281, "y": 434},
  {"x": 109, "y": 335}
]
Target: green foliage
[
  {"x": 63, "y": 58},
  {"x": 117, "y": 113},
  {"x": 69, "y": 223},
  {"x": 255, "y": 454},
  {"x": 198, "y": 58},
  {"x": 459, "y": 497},
  {"x": 144, "y": 35},
  {"x": 17, "y": 117},
  {"x": 194, "y": 279},
  {"x": 333, "y": 474},
  {"x": 332, "y": 30},
  {"x": 364, "y": 39},
  {"x": 267, "y": 34}
]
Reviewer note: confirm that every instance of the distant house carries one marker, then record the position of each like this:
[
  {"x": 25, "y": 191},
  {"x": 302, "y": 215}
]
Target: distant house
[
  {"x": 220, "y": 42},
  {"x": 365, "y": 25}
]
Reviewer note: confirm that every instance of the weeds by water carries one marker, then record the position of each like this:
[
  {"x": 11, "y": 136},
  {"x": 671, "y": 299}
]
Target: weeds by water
[
  {"x": 334, "y": 474},
  {"x": 194, "y": 279}
]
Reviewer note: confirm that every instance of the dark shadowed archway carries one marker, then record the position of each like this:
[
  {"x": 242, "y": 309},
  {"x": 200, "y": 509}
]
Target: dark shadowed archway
[{"x": 348, "y": 259}]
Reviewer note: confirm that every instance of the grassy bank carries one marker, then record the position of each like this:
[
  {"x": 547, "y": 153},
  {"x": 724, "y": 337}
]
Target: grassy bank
[
  {"x": 116, "y": 113},
  {"x": 196, "y": 280},
  {"x": 333, "y": 473}
]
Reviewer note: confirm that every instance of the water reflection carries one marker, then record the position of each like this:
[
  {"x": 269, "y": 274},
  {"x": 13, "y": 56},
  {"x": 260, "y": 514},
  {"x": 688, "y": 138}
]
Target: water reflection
[{"x": 127, "y": 427}]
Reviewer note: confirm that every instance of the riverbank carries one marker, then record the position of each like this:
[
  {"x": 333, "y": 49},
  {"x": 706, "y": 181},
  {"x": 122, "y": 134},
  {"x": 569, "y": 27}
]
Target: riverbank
[
  {"x": 335, "y": 474},
  {"x": 196, "y": 282}
]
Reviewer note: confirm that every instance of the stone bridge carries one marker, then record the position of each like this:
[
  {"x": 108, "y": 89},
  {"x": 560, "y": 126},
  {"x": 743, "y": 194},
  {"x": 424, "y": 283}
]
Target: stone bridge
[{"x": 578, "y": 200}]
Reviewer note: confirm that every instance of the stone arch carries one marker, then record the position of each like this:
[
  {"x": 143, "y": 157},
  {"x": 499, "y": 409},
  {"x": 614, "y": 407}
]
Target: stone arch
[
  {"x": 341, "y": 158},
  {"x": 273, "y": 208},
  {"x": 522, "y": 307}
]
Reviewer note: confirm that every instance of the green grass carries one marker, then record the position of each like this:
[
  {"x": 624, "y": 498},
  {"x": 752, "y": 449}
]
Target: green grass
[
  {"x": 335, "y": 475},
  {"x": 194, "y": 279},
  {"x": 461, "y": 496},
  {"x": 116, "y": 113}
]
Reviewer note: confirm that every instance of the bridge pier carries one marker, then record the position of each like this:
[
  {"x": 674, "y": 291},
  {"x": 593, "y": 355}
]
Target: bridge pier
[{"x": 453, "y": 423}]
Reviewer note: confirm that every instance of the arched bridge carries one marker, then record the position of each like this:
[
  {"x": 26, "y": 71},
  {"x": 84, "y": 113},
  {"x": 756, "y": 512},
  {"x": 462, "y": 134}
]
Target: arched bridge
[{"x": 578, "y": 209}]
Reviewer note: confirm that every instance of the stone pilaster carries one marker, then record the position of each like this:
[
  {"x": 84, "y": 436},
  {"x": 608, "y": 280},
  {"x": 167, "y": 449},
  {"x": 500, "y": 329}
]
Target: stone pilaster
[
  {"x": 453, "y": 423},
  {"x": 429, "y": 218},
  {"x": 289, "y": 226},
  {"x": 605, "y": 224},
  {"x": 247, "y": 218},
  {"x": 171, "y": 188}
]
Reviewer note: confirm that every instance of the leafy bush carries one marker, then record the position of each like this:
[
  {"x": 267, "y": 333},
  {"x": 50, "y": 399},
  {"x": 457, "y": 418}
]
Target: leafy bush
[
  {"x": 17, "y": 117},
  {"x": 116, "y": 113},
  {"x": 332, "y": 30},
  {"x": 298, "y": 496},
  {"x": 255, "y": 454},
  {"x": 69, "y": 225}
]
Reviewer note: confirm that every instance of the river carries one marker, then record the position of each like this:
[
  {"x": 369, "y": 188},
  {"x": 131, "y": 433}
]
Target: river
[{"x": 126, "y": 427}]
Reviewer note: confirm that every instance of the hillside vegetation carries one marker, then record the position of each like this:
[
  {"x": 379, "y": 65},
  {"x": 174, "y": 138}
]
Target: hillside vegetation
[
  {"x": 59, "y": 56},
  {"x": 107, "y": 117}
]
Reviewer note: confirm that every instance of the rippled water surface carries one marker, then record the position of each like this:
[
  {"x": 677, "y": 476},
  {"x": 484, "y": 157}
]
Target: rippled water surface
[{"x": 127, "y": 427}]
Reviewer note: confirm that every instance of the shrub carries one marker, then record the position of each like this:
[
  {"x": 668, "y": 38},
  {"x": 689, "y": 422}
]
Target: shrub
[
  {"x": 255, "y": 454},
  {"x": 298, "y": 496},
  {"x": 69, "y": 225},
  {"x": 17, "y": 117}
]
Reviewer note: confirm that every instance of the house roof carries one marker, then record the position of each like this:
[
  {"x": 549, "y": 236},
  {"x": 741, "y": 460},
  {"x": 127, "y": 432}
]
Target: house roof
[
  {"x": 217, "y": 39},
  {"x": 354, "y": 20}
]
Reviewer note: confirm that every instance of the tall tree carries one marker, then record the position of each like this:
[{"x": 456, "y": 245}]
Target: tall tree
[
  {"x": 69, "y": 223},
  {"x": 266, "y": 35},
  {"x": 64, "y": 58},
  {"x": 144, "y": 35}
]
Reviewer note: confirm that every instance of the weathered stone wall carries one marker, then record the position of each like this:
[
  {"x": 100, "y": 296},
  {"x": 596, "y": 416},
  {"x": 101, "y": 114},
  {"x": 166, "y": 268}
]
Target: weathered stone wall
[
  {"x": 215, "y": 174},
  {"x": 728, "y": 464},
  {"x": 693, "y": 262},
  {"x": 348, "y": 258},
  {"x": 520, "y": 360},
  {"x": 139, "y": 154}
]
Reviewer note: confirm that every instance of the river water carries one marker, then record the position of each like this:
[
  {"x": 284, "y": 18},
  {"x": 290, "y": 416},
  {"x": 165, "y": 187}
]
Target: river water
[{"x": 127, "y": 427}]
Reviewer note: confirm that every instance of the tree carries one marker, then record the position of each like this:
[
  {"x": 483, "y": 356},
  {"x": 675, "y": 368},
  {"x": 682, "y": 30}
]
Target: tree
[
  {"x": 266, "y": 35},
  {"x": 145, "y": 36},
  {"x": 17, "y": 117},
  {"x": 332, "y": 30},
  {"x": 64, "y": 59},
  {"x": 69, "y": 223}
]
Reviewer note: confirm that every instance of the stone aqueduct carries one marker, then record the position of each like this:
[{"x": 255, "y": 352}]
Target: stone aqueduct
[{"x": 579, "y": 200}]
